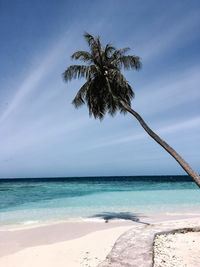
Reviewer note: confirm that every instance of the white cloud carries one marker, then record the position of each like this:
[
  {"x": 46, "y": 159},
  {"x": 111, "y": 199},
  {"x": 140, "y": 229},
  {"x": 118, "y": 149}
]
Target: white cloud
[
  {"x": 169, "y": 91},
  {"x": 30, "y": 83},
  {"x": 174, "y": 128},
  {"x": 38, "y": 135},
  {"x": 188, "y": 124},
  {"x": 179, "y": 31}
]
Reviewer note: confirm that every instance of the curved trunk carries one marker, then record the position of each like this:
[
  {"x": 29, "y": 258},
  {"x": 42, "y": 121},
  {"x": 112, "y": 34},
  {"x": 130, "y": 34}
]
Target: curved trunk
[
  {"x": 194, "y": 175},
  {"x": 169, "y": 149}
]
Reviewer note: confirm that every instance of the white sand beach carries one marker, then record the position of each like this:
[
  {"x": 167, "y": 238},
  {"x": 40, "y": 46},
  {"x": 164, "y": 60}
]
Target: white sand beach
[
  {"x": 79, "y": 244},
  {"x": 61, "y": 245}
]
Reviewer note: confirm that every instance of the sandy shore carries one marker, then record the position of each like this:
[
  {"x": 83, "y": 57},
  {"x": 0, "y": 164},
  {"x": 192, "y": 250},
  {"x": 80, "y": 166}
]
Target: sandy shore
[
  {"x": 66, "y": 244},
  {"x": 60, "y": 245}
]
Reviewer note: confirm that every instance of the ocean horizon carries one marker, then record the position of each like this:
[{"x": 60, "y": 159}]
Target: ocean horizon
[{"x": 37, "y": 200}]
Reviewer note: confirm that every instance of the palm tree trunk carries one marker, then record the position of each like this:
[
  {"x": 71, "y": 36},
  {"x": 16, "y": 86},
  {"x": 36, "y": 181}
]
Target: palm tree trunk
[{"x": 168, "y": 148}]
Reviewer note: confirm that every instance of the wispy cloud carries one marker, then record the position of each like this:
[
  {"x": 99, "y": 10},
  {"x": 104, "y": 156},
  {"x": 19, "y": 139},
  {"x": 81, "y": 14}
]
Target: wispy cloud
[
  {"x": 169, "y": 91},
  {"x": 46, "y": 63},
  {"x": 176, "y": 33},
  {"x": 164, "y": 131},
  {"x": 40, "y": 134},
  {"x": 185, "y": 125}
]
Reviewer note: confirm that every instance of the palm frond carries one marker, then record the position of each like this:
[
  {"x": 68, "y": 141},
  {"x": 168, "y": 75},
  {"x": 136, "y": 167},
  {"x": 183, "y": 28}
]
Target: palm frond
[
  {"x": 75, "y": 71},
  {"x": 79, "y": 98},
  {"x": 120, "y": 52},
  {"x": 119, "y": 81},
  {"x": 82, "y": 55},
  {"x": 108, "y": 50},
  {"x": 89, "y": 38},
  {"x": 93, "y": 44},
  {"x": 130, "y": 62},
  {"x": 93, "y": 70}
]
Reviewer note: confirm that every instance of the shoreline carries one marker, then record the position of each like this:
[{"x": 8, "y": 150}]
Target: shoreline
[{"x": 152, "y": 217}]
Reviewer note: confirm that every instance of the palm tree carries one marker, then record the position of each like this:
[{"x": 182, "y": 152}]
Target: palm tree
[{"x": 107, "y": 90}]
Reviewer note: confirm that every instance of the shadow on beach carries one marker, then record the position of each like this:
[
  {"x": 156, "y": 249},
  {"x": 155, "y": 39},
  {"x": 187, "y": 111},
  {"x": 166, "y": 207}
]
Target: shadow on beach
[{"x": 107, "y": 216}]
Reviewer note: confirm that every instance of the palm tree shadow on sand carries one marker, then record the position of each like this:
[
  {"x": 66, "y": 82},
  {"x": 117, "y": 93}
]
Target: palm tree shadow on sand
[{"x": 107, "y": 216}]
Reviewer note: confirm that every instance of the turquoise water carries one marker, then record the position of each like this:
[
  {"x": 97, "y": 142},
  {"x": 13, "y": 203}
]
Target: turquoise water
[{"x": 39, "y": 200}]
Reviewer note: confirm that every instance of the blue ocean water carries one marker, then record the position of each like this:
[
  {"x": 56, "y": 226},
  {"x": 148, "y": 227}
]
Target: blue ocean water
[{"x": 53, "y": 199}]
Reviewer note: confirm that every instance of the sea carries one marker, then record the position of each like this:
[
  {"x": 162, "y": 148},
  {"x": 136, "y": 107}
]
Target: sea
[{"x": 26, "y": 201}]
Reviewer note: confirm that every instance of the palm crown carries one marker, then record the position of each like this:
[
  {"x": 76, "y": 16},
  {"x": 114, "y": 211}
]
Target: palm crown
[{"x": 105, "y": 85}]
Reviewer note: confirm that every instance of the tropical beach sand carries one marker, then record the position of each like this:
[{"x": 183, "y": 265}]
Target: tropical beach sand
[
  {"x": 81, "y": 244},
  {"x": 60, "y": 245}
]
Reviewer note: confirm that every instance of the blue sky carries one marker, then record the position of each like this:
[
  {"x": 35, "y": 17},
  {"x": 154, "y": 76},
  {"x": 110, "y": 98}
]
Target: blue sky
[{"x": 42, "y": 135}]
